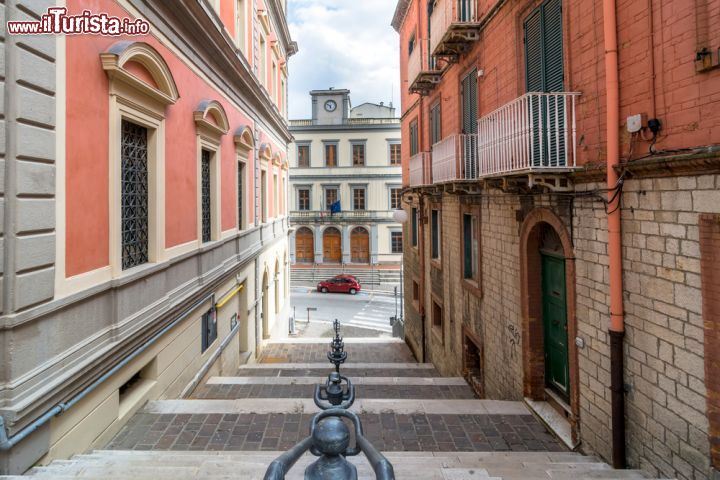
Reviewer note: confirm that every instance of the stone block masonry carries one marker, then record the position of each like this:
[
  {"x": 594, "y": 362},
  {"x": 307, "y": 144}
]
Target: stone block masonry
[{"x": 669, "y": 264}]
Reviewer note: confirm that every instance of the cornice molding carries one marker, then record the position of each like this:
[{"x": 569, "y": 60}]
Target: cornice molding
[
  {"x": 400, "y": 13},
  {"x": 189, "y": 26}
]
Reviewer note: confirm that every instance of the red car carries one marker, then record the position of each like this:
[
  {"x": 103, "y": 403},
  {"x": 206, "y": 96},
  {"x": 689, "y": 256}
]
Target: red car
[{"x": 340, "y": 284}]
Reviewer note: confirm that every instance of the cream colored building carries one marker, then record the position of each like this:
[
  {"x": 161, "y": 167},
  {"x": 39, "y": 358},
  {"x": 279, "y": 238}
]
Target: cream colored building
[{"x": 351, "y": 156}]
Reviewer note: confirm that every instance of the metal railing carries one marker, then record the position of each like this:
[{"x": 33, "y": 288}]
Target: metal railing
[
  {"x": 455, "y": 158},
  {"x": 534, "y": 132},
  {"x": 420, "y": 172},
  {"x": 326, "y": 215},
  {"x": 329, "y": 437},
  {"x": 449, "y": 12}
]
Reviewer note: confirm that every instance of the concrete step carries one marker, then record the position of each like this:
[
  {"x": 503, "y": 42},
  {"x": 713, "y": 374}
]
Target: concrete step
[{"x": 181, "y": 465}]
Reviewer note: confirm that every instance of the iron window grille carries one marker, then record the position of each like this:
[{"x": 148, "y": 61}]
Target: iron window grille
[
  {"x": 134, "y": 195},
  {"x": 205, "y": 199},
  {"x": 435, "y": 233},
  {"x": 240, "y": 181}
]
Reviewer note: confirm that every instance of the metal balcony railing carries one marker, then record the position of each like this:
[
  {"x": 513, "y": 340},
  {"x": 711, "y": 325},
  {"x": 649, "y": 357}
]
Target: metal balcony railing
[
  {"x": 535, "y": 132},
  {"x": 453, "y": 24},
  {"x": 455, "y": 158},
  {"x": 420, "y": 172},
  {"x": 422, "y": 72},
  {"x": 308, "y": 122},
  {"x": 326, "y": 215}
]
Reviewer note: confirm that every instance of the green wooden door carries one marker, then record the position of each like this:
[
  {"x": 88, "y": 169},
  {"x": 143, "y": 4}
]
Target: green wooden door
[{"x": 557, "y": 372}]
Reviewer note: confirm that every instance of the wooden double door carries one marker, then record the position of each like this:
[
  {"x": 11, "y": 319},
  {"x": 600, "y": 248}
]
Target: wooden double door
[
  {"x": 359, "y": 245},
  {"x": 332, "y": 246},
  {"x": 304, "y": 246}
]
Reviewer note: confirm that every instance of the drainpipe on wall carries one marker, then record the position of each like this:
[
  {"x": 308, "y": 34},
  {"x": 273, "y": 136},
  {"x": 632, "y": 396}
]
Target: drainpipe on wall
[{"x": 617, "y": 322}]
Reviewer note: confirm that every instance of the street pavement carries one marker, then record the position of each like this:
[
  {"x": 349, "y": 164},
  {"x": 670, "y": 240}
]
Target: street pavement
[{"x": 366, "y": 310}]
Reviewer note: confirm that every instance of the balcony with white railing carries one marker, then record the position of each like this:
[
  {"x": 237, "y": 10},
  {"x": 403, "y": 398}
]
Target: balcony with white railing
[
  {"x": 454, "y": 25},
  {"x": 422, "y": 74},
  {"x": 535, "y": 133},
  {"x": 420, "y": 173},
  {"x": 454, "y": 158}
]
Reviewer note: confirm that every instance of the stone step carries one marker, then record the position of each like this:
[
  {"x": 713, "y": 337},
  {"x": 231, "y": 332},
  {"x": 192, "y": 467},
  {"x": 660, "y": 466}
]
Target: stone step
[
  {"x": 181, "y": 465},
  {"x": 386, "y": 430},
  {"x": 450, "y": 392},
  {"x": 421, "y": 381},
  {"x": 307, "y": 405},
  {"x": 365, "y": 352},
  {"x": 353, "y": 372}
]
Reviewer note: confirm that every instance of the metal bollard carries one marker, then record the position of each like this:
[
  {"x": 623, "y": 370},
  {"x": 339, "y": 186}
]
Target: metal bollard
[{"x": 331, "y": 439}]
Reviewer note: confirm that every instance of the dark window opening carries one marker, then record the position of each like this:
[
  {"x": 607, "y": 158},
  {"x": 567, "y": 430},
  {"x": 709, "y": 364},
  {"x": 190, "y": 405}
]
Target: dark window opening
[
  {"x": 435, "y": 233},
  {"x": 209, "y": 329},
  {"x": 414, "y": 227},
  {"x": 205, "y": 199},
  {"x": 396, "y": 242}
]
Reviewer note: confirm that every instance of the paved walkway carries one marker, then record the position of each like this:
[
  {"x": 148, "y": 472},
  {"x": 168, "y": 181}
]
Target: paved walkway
[{"x": 404, "y": 406}]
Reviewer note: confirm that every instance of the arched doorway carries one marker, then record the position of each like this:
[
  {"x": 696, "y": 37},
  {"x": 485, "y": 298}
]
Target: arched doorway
[
  {"x": 277, "y": 287},
  {"x": 547, "y": 268},
  {"x": 332, "y": 245},
  {"x": 304, "y": 246},
  {"x": 264, "y": 312},
  {"x": 359, "y": 245}
]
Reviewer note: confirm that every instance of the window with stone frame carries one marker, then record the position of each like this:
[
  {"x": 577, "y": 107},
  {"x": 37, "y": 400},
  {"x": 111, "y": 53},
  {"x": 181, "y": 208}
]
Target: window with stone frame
[
  {"x": 240, "y": 194},
  {"x": 395, "y": 198},
  {"x": 331, "y": 155},
  {"x": 437, "y": 318},
  {"x": 471, "y": 244},
  {"x": 303, "y": 158},
  {"x": 358, "y": 154},
  {"x": 395, "y": 150},
  {"x": 414, "y": 226},
  {"x": 396, "y": 242},
  {"x": 206, "y": 196},
  {"x": 303, "y": 199},
  {"x": 359, "y": 198},
  {"x": 435, "y": 234},
  {"x": 331, "y": 196}
]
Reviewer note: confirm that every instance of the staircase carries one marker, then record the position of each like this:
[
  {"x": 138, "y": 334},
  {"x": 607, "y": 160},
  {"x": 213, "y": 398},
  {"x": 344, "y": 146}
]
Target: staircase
[
  {"x": 303, "y": 276},
  {"x": 430, "y": 427}
]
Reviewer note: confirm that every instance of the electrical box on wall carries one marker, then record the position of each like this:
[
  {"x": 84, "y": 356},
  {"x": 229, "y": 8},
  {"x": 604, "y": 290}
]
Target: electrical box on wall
[{"x": 637, "y": 122}]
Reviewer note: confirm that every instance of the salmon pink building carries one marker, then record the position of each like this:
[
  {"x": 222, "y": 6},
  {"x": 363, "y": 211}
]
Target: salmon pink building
[
  {"x": 144, "y": 212},
  {"x": 560, "y": 164}
]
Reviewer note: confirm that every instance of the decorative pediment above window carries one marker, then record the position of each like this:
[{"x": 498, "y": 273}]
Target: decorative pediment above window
[
  {"x": 277, "y": 159},
  {"x": 141, "y": 67},
  {"x": 244, "y": 138},
  {"x": 265, "y": 152},
  {"x": 210, "y": 118}
]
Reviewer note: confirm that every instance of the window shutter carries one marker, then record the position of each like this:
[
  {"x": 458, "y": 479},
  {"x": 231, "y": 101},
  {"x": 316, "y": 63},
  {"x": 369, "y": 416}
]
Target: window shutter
[{"x": 553, "y": 46}]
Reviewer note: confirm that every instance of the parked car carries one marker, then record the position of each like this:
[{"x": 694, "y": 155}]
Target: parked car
[{"x": 340, "y": 284}]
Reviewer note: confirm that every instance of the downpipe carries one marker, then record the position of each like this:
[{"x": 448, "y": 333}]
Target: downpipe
[{"x": 617, "y": 315}]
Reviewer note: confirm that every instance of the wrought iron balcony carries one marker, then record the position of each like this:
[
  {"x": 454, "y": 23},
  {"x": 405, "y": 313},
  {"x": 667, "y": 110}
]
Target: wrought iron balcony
[
  {"x": 535, "y": 133},
  {"x": 422, "y": 72},
  {"x": 454, "y": 25},
  {"x": 420, "y": 170},
  {"x": 455, "y": 158}
]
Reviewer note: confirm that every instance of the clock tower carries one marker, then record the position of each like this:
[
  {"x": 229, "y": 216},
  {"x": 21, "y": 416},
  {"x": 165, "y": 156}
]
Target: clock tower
[{"x": 330, "y": 107}]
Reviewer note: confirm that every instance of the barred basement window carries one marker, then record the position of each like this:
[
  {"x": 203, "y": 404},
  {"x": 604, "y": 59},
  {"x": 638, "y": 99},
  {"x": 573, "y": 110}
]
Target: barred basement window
[
  {"x": 134, "y": 203},
  {"x": 205, "y": 198}
]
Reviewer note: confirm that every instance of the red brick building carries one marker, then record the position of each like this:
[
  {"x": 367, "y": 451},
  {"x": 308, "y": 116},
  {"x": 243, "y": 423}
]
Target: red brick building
[{"x": 554, "y": 212}]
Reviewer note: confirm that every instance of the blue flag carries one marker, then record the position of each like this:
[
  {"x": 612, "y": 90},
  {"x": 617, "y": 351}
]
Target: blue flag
[{"x": 335, "y": 207}]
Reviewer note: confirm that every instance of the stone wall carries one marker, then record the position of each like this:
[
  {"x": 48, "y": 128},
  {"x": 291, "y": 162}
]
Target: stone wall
[{"x": 667, "y": 416}]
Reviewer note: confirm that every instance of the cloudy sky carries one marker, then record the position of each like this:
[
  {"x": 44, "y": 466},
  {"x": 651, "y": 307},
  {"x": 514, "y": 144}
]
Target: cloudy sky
[{"x": 343, "y": 44}]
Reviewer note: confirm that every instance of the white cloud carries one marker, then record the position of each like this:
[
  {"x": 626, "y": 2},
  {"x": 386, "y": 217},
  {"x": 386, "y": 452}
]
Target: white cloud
[{"x": 343, "y": 44}]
